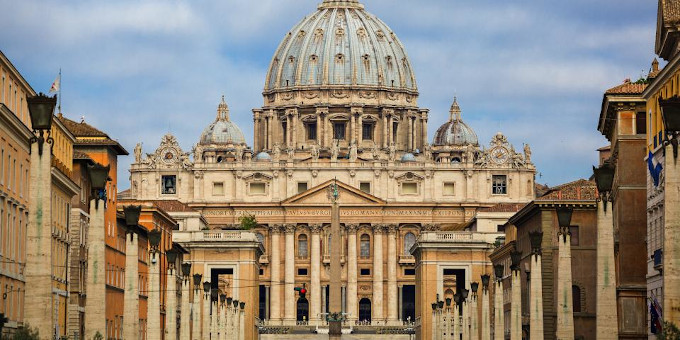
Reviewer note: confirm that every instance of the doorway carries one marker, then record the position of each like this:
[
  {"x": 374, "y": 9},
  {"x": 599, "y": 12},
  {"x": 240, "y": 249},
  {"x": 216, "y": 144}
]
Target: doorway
[
  {"x": 365, "y": 310},
  {"x": 408, "y": 303},
  {"x": 302, "y": 309}
]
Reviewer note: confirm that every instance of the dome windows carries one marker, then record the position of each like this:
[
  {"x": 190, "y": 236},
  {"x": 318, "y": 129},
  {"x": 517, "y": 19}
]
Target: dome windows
[{"x": 339, "y": 58}]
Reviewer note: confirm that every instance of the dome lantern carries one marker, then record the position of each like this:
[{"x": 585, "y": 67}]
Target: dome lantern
[
  {"x": 222, "y": 131},
  {"x": 455, "y": 132}
]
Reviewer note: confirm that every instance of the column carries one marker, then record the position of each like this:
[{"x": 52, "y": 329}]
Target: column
[
  {"x": 385, "y": 136},
  {"x": 196, "y": 314},
  {"x": 424, "y": 129},
  {"x": 315, "y": 282},
  {"x": 214, "y": 328},
  {"x": 229, "y": 320},
  {"x": 206, "y": 315},
  {"x": 171, "y": 306},
  {"x": 295, "y": 128},
  {"x": 456, "y": 321},
  {"x": 268, "y": 121},
  {"x": 275, "y": 130},
  {"x": 565, "y": 310},
  {"x": 352, "y": 129},
  {"x": 289, "y": 123},
  {"x": 435, "y": 325},
  {"x": 499, "y": 324},
  {"x": 185, "y": 310},
  {"x": 390, "y": 132},
  {"x": 154, "y": 303},
  {"x": 236, "y": 322},
  {"x": 289, "y": 292},
  {"x": 95, "y": 304},
  {"x": 447, "y": 324},
  {"x": 360, "y": 128},
  {"x": 671, "y": 238},
  {"x": 474, "y": 315},
  {"x": 256, "y": 128},
  {"x": 606, "y": 310},
  {"x": 410, "y": 134},
  {"x": 222, "y": 323},
  {"x": 319, "y": 129},
  {"x": 486, "y": 317},
  {"x": 242, "y": 324},
  {"x": 131, "y": 295},
  {"x": 38, "y": 271},
  {"x": 392, "y": 297},
  {"x": 275, "y": 263},
  {"x": 516, "y": 305},
  {"x": 466, "y": 320},
  {"x": 536, "y": 288},
  {"x": 378, "y": 296},
  {"x": 352, "y": 292}
]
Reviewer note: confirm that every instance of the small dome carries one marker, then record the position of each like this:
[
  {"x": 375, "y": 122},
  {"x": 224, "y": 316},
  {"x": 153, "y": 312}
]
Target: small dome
[
  {"x": 262, "y": 157},
  {"x": 408, "y": 157},
  {"x": 455, "y": 132},
  {"x": 222, "y": 130}
]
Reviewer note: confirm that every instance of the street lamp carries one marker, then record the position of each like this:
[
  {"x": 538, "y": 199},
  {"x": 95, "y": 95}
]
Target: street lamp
[
  {"x": 99, "y": 175},
  {"x": 604, "y": 179},
  {"x": 564, "y": 220},
  {"x": 498, "y": 270},
  {"x": 485, "y": 281},
  {"x": 515, "y": 259},
  {"x": 536, "y": 238},
  {"x": 242, "y": 305},
  {"x": 186, "y": 270},
  {"x": 474, "y": 286},
  {"x": 171, "y": 256},
  {"x": 197, "y": 281},
  {"x": 670, "y": 114},
  {"x": 155, "y": 238},
  {"x": 41, "y": 110},
  {"x": 206, "y": 288}
]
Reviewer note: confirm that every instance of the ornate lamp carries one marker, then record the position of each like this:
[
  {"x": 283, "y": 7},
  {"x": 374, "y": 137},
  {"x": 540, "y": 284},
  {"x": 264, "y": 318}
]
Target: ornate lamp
[
  {"x": 186, "y": 269},
  {"x": 223, "y": 298},
  {"x": 171, "y": 256},
  {"x": 41, "y": 110},
  {"x": 440, "y": 304},
  {"x": 214, "y": 294},
  {"x": 434, "y": 306},
  {"x": 536, "y": 238},
  {"x": 99, "y": 175},
  {"x": 564, "y": 216},
  {"x": 457, "y": 298},
  {"x": 498, "y": 270},
  {"x": 235, "y": 302},
  {"x": 464, "y": 294},
  {"x": 229, "y": 299},
  {"x": 132, "y": 213},
  {"x": 485, "y": 281},
  {"x": 515, "y": 259},
  {"x": 670, "y": 114},
  {"x": 197, "y": 280},
  {"x": 474, "y": 286},
  {"x": 448, "y": 302},
  {"x": 206, "y": 287},
  {"x": 604, "y": 179},
  {"x": 155, "y": 238},
  {"x": 242, "y": 305}
]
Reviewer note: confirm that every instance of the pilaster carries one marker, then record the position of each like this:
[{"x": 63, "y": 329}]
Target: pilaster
[
  {"x": 131, "y": 295},
  {"x": 392, "y": 295},
  {"x": 315, "y": 282},
  {"x": 275, "y": 285},
  {"x": 606, "y": 310},
  {"x": 565, "y": 309},
  {"x": 289, "y": 292},
  {"x": 154, "y": 303},
  {"x": 352, "y": 289},
  {"x": 377, "y": 274},
  {"x": 95, "y": 304}
]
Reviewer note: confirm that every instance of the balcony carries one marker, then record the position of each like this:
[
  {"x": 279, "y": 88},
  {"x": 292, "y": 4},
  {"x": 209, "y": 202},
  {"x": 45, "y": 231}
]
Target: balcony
[
  {"x": 264, "y": 259},
  {"x": 327, "y": 259},
  {"x": 407, "y": 260}
]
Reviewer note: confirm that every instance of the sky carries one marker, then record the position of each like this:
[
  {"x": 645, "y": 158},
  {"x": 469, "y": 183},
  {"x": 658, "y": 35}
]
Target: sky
[{"x": 535, "y": 70}]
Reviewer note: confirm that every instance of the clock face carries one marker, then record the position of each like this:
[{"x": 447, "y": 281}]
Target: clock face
[
  {"x": 168, "y": 156},
  {"x": 500, "y": 155}
]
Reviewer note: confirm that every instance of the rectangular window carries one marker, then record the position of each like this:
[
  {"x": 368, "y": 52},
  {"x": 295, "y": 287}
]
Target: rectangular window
[
  {"x": 640, "y": 123},
  {"x": 365, "y": 272},
  {"x": 409, "y": 272},
  {"x": 169, "y": 185},
  {"x": 284, "y": 128},
  {"x": 449, "y": 189},
  {"x": 500, "y": 228},
  {"x": 574, "y": 235},
  {"x": 365, "y": 187},
  {"x": 500, "y": 185},
  {"x": 257, "y": 188},
  {"x": 409, "y": 188},
  {"x": 449, "y": 272},
  {"x": 261, "y": 272},
  {"x": 367, "y": 131},
  {"x": 302, "y": 271},
  {"x": 218, "y": 189},
  {"x": 395, "y": 128},
  {"x": 301, "y": 187},
  {"x": 339, "y": 131},
  {"x": 311, "y": 131}
]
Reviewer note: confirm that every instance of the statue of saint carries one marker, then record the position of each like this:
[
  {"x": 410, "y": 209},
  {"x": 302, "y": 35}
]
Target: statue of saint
[
  {"x": 527, "y": 153},
  {"x": 239, "y": 153},
  {"x": 276, "y": 151},
  {"x": 138, "y": 153},
  {"x": 353, "y": 152},
  {"x": 375, "y": 151},
  {"x": 470, "y": 153},
  {"x": 335, "y": 150},
  {"x": 392, "y": 152},
  {"x": 314, "y": 152},
  {"x": 427, "y": 151},
  {"x": 291, "y": 154}
]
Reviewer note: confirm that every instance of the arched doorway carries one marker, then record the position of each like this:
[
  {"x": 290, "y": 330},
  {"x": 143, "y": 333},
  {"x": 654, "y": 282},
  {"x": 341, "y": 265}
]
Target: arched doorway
[
  {"x": 302, "y": 309},
  {"x": 365, "y": 310}
]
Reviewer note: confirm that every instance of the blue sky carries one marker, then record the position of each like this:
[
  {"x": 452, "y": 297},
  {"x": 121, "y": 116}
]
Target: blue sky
[{"x": 533, "y": 69}]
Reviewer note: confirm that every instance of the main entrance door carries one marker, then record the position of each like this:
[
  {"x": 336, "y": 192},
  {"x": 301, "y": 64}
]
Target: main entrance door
[
  {"x": 365, "y": 310},
  {"x": 302, "y": 309}
]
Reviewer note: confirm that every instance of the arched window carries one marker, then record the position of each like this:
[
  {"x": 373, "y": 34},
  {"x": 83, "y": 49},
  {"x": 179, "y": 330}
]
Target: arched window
[
  {"x": 302, "y": 246},
  {"x": 365, "y": 246},
  {"x": 576, "y": 295},
  {"x": 409, "y": 241},
  {"x": 260, "y": 238}
]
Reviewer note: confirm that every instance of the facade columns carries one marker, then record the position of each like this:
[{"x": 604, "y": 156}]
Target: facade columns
[
  {"x": 392, "y": 296},
  {"x": 95, "y": 304},
  {"x": 448, "y": 325},
  {"x": 360, "y": 128},
  {"x": 466, "y": 320},
  {"x": 410, "y": 134},
  {"x": 385, "y": 136},
  {"x": 474, "y": 315},
  {"x": 289, "y": 271},
  {"x": 319, "y": 129},
  {"x": 131, "y": 295},
  {"x": 536, "y": 286},
  {"x": 171, "y": 305},
  {"x": 275, "y": 285},
  {"x": 516, "y": 305},
  {"x": 486, "y": 317},
  {"x": 378, "y": 296},
  {"x": 606, "y": 310},
  {"x": 295, "y": 128},
  {"x": 424, "y": 130},
  {"x": 153, "y": 331},
  {"x": 671, "y": 238},
  {"x": 213, "y": 320},
  {"x": 352, "y": 289},
  {"x": 185, "y": 310},
  {"x": 222, "y": 322},
  {"x": 205, "y": 317},
  {"x": 456, "y": 320},
  {"x": 565, "y": 309},
  {"x": 352, "y": 128},
  {"x": 499, "y": 316},
  {"x": 196, "y": 314},
  {"x": 242, "y": 324},
  {"x": 315, "y": 283}
]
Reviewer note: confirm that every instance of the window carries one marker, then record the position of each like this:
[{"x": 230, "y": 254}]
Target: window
[
  {"x": 395, "y": 127},
  {"x": 365, "y": 246},
  {"x": 365, "y": 272},
  {"x": 260, "y": 238},
  {"x": 257, "y": 188},
  {"x": 339, "y": 131},
  {"x": 500, "y": 228},
  {"x": 640, "y": 123},
  {"x": 449, "y": 189},
  {"x": 409, "y": 272},
  {"x": 365, "y": 187},
  {"x": 576, "y": 295},
  {"x": 302, "y": 271},
  {"x": 261, "y": 271},
  {"x": 311, "y": 131},
  {"x": 302, "y": 187},
  {"x": 284, "y": 127},
  {"x": 409, "y": 188},
  {"x": 449, "y": 272},
  {"x": 409, "y": 241},
  {"x": 169, "y": 185},
  {"x": 500, "y": 185},
  {"x": 367, "y": 131},
  {"x": 302, "y": 246},
  {"x": 574, "y": 235},
  {"x": 218, "y": 189}
]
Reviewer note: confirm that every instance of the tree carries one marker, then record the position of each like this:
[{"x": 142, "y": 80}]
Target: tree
[
  {"x": 247, "y": 221},
  {"x": 669, "y": 332},
  {"x": 24, "y": 333}
]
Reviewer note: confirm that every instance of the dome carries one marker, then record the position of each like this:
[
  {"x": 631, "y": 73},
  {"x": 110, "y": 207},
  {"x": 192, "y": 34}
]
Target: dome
[
  {"x": 408, "y": 157},
  {"x": 222, "y": 130},
  {"x": 340, "y": 44},
  {"x": 455, "y": 132},
  {"x": 262, "y": 157}
]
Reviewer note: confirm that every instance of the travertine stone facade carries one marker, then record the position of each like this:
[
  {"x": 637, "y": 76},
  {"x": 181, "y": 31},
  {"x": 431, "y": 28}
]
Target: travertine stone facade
[
  {"x": 607, "y": 321},
  {"x": 565, "y": 308},
  {"x": 131, "y": 325}
]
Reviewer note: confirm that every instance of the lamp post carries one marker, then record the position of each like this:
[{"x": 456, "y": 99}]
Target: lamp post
[
  {"x": 448, "y": 324},
  {"x": 223, "y": 317},
  {"x": 565, "y": 310},
  {"x": 131, "y": 295},
  {"x": 516, "y": 297},
  {"x": 606, "y": 306},
  {"x": 205, "y": 311},
  {"x": 185, "y": 309},
  {"x": 435, "y": 323},
  {"x": 40, "y": 309},
  {"x": 474, "y": 315},
  {"x": 465, "y": 313},
  {"x": 196, "y": 308},
  {"x": 171, "y": 298},
  {"x": 486, "y": 308},
  {"x": 242, "y": 319},
  {"x": 499, "y": 316},
  {"x": 154, "y": 302},
  {"x": 456, "y": 315}
]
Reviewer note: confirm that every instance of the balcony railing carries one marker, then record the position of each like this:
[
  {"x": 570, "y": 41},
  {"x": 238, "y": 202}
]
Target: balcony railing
[{"x": 407, "y": 259}]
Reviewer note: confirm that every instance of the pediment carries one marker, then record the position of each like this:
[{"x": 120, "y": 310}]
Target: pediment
[{"x": 319, "y": 196}]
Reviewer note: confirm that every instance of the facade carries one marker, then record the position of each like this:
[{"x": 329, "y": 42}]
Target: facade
[
  {"x": 14, "y": 184},
  {"x": 623, "y": 122},
  {"x": 540, "y": 215},
  {"x": 340, "y": 103}
]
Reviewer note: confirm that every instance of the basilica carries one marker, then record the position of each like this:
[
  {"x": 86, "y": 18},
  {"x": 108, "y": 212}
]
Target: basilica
[{"x": 340, "y": 104}]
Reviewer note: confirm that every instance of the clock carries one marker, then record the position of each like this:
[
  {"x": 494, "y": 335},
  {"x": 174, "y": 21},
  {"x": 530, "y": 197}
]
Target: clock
[
  {"x": 168, "y": 156},
  {"x": 500, "y": 155}
]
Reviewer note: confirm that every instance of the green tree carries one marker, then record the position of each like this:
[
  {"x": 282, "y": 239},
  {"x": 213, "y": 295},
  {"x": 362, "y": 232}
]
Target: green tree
[
  {"x": 669, "y": 332},
  {"x": 247, "y": 221},
  {"x": 24, "y": 333}
]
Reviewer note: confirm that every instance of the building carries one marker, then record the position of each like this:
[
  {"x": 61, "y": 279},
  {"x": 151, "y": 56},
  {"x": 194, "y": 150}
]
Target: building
[
  {"x": 340, "y": 103},
  {"x": 540, "y": 215},
  {"x": 623, "y": 122},
  {"x": 14, "y": 182}
]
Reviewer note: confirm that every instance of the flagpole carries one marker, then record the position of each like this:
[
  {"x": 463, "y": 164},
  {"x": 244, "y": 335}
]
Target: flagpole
[{"x": 60, "y": 90}]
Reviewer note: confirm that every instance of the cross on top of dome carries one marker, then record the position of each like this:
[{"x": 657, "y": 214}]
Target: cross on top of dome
[
  {"x": 455, "y": 110},
  {"x": 341, "y": 3},
  {"x": 223, "y": 110}
]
